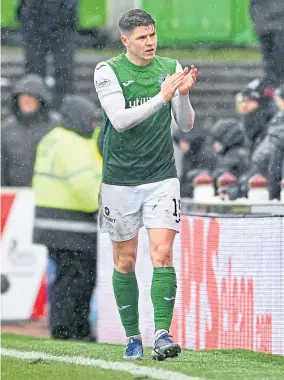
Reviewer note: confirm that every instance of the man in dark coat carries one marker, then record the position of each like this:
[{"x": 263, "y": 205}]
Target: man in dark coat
[
  {"x": 21, "y": 131},
  {"x": 269, "y": 146},
  {"x": 49, "y": 26},
  {"x": 256, "y": 108},
  {"x": 233, "y": 155},
  {"x": 268, "y": 19}
]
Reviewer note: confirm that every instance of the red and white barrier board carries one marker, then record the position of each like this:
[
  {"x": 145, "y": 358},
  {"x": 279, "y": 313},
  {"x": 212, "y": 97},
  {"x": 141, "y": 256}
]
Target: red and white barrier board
[
  {"x": 230, "y": 279},
  {"x": 230, "y": 285},
  {"x": 23, "y": 264}
]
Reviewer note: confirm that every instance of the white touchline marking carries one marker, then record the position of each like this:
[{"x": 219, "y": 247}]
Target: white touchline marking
[{"x": 152, "y": 372}]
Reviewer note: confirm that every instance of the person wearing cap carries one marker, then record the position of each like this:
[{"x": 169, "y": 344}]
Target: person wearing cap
[
  {"x": 29, "y": 120},
  {"x": 66, "y": 183},
  {"x": 261, "y": 156},
  {"x": 256, "y": 108}
]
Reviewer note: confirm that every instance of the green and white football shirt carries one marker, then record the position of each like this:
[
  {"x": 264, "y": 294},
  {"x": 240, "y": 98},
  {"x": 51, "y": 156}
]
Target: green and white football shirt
[{"x": 143, "y": 152}]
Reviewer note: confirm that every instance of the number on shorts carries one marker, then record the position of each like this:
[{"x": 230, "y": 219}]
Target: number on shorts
[{"x": 177, "y": 209}]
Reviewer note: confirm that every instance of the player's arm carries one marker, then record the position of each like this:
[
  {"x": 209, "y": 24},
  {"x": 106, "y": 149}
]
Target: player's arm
[
  {"x": 112, "y": 100},
  {"x": 182, "y": 109}
]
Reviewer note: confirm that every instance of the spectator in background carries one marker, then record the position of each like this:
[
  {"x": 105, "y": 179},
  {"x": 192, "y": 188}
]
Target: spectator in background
[
  {"x": 261, "y": 156},
  {"x": 268, "y": 19},
  {"x": 197, "y": 157},
  {"x": 233, "y": 155},
  {"x": 21, "y": 131},
  {"x": 276, "y": 139},
  {"x": 49, "y": 26},
  {"x": 66, "y": 183},
  {"x": 257, "y": 109}
]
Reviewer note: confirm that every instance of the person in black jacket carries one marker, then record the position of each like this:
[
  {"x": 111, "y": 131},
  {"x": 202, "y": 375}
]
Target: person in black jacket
[
  {"x": 229, "y": 143},
  {"x": 268, "y": 19},
  {"x": 257, "y": 108},
  {"x": 276, "y": 139},
  {"x": 29, "y": 121},
  {"x": 49, "y": 26},
  {"x": 261, "y": 156}
]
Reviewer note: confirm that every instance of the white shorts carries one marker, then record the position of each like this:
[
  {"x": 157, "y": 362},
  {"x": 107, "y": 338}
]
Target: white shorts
[{"x": 125, "y": 209}]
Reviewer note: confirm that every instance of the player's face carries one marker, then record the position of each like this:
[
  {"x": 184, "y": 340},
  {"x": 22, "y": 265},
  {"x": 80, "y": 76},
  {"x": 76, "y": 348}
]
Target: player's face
[
  {"x": 28, "y": 103},
  {"x": 141, "y": 43}
]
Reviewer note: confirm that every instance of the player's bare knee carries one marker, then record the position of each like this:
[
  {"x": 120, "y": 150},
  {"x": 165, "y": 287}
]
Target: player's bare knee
[
  {"x": 124, "y": 255},
  {"x": 125, "y": 264},
  {"x": 124, "y": 260},
  {"x": 162, "y": 256}
]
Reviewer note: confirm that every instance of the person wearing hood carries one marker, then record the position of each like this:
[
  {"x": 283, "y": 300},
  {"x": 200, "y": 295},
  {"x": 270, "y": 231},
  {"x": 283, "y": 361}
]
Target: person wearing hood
[
  {"x": 276, "y": 139},
  {"x": 232, "y": 153},
  {"x": 66, "y": 182},
  {"x": 21, "y": 131},
  {"x": 257, "y": 108}
]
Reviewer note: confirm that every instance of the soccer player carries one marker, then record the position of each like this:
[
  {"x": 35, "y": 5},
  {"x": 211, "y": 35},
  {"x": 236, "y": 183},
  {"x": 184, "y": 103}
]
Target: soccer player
[{"x": 139, "y": 92}]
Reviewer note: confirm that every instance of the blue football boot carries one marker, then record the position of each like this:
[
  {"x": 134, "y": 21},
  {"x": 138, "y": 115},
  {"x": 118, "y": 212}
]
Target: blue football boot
[
  {"x": 134, "y": 349},
  {"x": 165, "y": 347}
]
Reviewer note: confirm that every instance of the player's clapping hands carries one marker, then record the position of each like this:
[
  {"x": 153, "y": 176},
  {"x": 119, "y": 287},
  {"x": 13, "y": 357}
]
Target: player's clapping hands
[
  {"x": 183, "y": 81},
  {"x": 171, "y": 84},
  {"x": 189, "y": 80}
]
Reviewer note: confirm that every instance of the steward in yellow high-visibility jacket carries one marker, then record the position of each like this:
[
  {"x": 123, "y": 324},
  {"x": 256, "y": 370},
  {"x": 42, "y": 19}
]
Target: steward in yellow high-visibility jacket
[{"x": 66, "y": 182}]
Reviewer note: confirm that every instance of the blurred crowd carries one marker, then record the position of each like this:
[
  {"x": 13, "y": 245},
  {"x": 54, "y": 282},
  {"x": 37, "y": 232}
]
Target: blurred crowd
[{"x": 250, "y": 143}]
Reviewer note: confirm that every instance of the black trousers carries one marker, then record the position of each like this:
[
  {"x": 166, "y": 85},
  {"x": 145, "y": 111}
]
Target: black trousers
[
  {"x": 272, "y": 46},
  {"x": 61, "y": 44},
  {"x": 71, "y": 294}
]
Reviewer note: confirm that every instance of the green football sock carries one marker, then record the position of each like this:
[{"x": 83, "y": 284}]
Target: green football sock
[
  {"x": 163, "y": 293},
  {"x": 126, "y": 294}
]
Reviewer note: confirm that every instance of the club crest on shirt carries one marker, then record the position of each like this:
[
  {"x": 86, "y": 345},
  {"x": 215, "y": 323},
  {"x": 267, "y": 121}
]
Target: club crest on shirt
[{"x": 161, "y": 78}]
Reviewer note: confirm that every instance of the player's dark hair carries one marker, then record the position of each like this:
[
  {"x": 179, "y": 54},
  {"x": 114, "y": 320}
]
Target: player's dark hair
[{"x": 133, "y": 18}]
